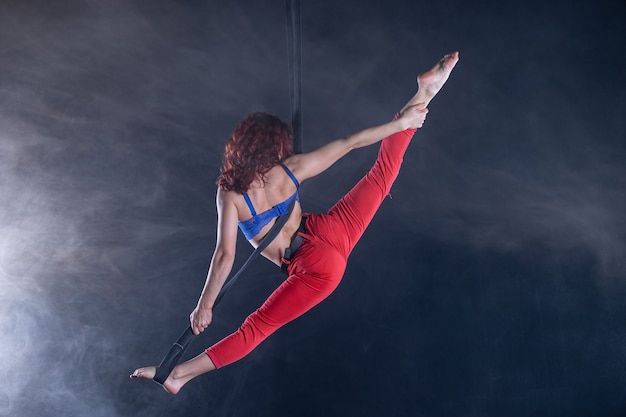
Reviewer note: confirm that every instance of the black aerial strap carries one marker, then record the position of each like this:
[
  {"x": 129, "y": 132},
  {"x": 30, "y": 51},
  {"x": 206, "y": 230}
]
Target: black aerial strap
[
  {"x": 294, "y": 55},
  {"x": 180, "y": 345},
  {"x": 294, "y": 46}
]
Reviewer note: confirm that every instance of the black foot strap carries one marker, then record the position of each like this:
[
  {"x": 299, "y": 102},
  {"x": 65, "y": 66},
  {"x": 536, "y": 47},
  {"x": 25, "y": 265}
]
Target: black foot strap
[{"x": 173, "y": 356}]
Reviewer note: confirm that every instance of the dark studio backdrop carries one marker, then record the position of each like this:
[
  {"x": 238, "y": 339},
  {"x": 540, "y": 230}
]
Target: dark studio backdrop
[{"x": 491, "y": 284}]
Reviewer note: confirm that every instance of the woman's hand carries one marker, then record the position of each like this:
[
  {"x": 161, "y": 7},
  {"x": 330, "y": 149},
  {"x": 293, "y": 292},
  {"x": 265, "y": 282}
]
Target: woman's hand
[
  {"x": 414, "y": 116},
  {"x": 200, "y": 318}
]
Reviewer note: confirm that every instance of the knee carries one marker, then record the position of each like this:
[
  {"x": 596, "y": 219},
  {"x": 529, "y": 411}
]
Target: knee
[{"x": 256, "y": 327}]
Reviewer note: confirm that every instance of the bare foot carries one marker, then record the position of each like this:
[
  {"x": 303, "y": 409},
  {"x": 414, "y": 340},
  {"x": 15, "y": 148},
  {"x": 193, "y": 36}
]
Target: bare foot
[
  {"x": 430, "y": 82},
  {"x": 170, "y": 385},
  {"x": 181, "y": 374}
]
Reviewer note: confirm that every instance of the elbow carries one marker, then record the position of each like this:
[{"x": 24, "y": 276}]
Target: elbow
[
  {"x": 224, "y": 258},
  {"x": 350, "y": 143}
]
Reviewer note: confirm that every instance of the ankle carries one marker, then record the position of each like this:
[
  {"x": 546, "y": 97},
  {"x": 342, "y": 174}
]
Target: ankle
[
  {"x": 177, "y": 373},
  {"x": 420, "y": 97}
]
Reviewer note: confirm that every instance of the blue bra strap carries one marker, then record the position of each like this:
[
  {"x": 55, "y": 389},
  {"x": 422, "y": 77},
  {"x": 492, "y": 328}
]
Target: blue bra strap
[
  {"x": 249, "y": 203},
  {"x": 293, "y": 177}
]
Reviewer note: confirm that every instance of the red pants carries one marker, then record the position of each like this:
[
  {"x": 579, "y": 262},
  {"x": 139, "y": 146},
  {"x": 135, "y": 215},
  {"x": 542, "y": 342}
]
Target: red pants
[{"x": 319, "y": 263}]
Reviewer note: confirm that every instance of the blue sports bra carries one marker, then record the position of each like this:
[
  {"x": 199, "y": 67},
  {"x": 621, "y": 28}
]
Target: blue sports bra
[{"x": 257, "y": 222}]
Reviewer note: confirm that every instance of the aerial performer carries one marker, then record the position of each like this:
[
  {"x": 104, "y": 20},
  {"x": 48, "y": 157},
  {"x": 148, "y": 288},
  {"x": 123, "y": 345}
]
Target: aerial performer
[{"x": 260, "y": 176}]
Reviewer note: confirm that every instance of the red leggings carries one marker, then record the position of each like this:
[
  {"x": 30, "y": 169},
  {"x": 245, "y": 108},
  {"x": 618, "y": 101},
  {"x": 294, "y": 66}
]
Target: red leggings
[{"x": 319, "y": 263}]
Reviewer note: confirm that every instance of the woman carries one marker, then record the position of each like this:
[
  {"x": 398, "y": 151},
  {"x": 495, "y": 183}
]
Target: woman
[{"x": 260, "y": 176}]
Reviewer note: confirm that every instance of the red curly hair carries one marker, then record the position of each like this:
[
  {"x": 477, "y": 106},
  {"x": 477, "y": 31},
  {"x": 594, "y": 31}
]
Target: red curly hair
[{"x": 258, "y": 143}]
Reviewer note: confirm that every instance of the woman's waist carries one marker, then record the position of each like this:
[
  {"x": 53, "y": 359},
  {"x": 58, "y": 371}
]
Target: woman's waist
[{"x": 285, "y": 239}]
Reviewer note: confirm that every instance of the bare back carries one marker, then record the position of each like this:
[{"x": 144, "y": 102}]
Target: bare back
[{"x": 277, "y": 188}]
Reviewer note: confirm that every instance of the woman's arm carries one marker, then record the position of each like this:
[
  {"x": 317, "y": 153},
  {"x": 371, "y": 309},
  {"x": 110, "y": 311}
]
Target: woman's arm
[
  {"x": 221, "y": 263},
  {"x": 310, "y": 164}
]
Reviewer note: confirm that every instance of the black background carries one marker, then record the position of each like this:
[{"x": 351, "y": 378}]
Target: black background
[{"x": 492, "y": 284}]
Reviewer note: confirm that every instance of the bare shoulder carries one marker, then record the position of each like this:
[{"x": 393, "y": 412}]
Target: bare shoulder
[
  {"x": 310, "y": 164},
  {"x": 295, "y": 164},
  {"x": 225, "y": 198}
]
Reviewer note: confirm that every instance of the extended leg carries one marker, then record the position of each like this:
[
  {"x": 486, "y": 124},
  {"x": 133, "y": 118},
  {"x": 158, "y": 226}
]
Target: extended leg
[{"x": 356, "y": 209}]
